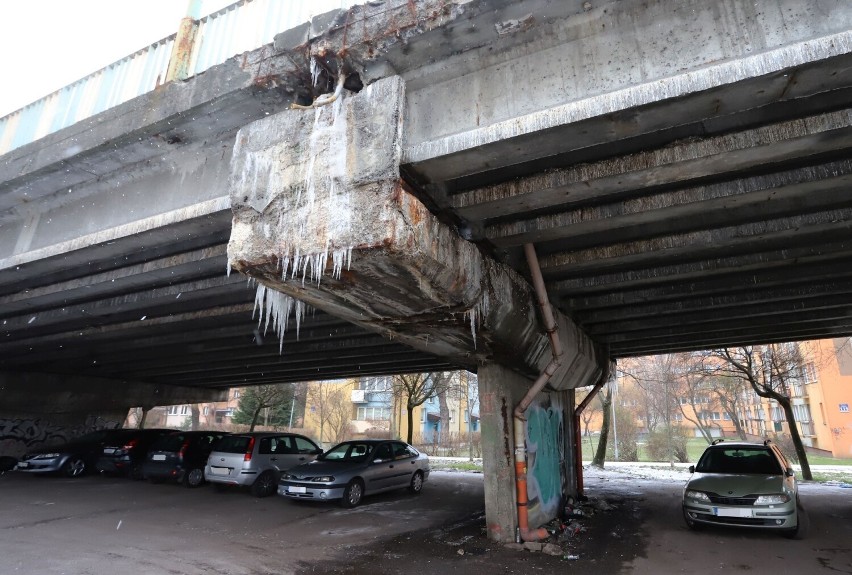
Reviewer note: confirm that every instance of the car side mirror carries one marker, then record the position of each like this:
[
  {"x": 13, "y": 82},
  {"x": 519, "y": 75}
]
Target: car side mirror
[
  {"x": 789, "y": 472},
  {"x": 692, "y": 469}
]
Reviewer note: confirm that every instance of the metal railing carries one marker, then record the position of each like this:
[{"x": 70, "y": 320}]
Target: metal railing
[{"x": 240, "y": 27}]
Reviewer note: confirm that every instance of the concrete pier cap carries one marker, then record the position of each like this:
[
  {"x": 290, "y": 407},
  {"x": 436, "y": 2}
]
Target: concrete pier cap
[{"x": 322, "y": 217}]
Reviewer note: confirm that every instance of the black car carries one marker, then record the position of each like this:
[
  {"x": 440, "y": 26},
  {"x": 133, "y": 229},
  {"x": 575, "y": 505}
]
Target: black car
[
  {"x": 180, "y": 456},
  {"x": 125, "y": 453},
  {"x": 73, "y": 458}
]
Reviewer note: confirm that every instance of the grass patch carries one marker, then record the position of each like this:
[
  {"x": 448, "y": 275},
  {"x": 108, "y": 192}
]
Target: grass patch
[
  {"x": 694, "y": 448},
  {"x": 823, "y": 477},
  {"x": 456, "y": 465}
]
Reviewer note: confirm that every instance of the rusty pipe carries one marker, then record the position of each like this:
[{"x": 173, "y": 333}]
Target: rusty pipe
[
  {"x": 578, "y": 446},
  {"x": 325, "y": 99},
  {"x": 526, "y": 533}
]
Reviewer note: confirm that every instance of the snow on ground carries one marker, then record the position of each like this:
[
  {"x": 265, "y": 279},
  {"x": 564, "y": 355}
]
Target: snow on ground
[{"x": 664, "y": 471}]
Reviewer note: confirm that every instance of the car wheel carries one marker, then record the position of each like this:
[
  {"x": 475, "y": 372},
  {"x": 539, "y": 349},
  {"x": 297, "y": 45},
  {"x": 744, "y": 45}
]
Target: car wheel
[
  {"x": 352, "y": 494},
  {"x": 802, "y": 523},
  {"x": 416, "y": 485},
  {"x": 691, "y": 523},
  {"x": 74, "y": 467},
  {"x": 194, "y": 477},
  {"x": 264, "y": 485}
]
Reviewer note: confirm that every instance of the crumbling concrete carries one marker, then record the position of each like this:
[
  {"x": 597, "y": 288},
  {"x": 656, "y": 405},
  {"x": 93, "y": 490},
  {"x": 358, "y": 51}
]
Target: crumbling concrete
[{"x": 320, "y": 214}]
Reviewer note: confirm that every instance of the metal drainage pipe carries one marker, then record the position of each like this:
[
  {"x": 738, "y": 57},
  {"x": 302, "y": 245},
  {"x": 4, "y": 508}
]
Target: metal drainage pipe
[{"x": 527, "y": 534}]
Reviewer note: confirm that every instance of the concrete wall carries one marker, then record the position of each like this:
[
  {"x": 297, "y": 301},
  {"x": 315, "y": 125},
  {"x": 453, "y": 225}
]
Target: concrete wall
[
  {"x": 609, "y": 47},
  {"x": 550, "y": 469},
  {"x": 45, "y": 409}
]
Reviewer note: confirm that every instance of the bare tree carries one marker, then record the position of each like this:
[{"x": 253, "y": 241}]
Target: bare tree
[
  {"x": 339, "y": 409},
  {"x": 771, "y": 371},
  {"x": 591, "y": 411},
  {"x": 416, "y": 389},
  {"x": 332, "y": 408},
  {"x": 606, "y": 407},
  {"x": 195, "y": 417},
  {"x": 471, "y": 389}
]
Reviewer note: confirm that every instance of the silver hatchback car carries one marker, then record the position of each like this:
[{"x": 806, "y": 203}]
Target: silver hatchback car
[
  {"x": 352, "y": 469},
  {"x": 256, "y": 460}
]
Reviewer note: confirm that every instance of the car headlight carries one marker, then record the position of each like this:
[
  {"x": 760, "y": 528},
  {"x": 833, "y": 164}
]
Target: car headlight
[
  {"x": 323, "y": 479},
  {"x": 288, "y": 477},
  {"x": 697, "y": 495},
  {"x": 776, "y": 499},
  {"x": 46, "y": 456}
]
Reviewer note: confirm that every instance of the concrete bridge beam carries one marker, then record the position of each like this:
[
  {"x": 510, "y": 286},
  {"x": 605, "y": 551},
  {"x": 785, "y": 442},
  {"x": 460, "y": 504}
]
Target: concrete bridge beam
[{"x": 322, "y": 218}]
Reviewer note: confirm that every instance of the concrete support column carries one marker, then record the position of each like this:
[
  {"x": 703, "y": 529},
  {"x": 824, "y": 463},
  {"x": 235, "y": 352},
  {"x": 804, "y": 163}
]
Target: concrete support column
[{"x": 551, "y": 474}]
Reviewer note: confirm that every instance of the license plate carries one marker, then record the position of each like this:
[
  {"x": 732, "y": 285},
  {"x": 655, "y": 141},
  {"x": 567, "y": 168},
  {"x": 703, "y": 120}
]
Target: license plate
[
  {"x": 109, "y": 450},
  {"x": 297, "y": 490},
  {"x": 23, "y": 465},
  {"x": 732, "y": 512},
  {"x": 159, "y": 457},
  {"x": 219, "y": 470}
]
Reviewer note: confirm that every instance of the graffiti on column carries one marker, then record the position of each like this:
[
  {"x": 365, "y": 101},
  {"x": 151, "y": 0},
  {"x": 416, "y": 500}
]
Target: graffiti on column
[
  {"x": 545, "y": 448},
  {"x": 19, "y": 435}
]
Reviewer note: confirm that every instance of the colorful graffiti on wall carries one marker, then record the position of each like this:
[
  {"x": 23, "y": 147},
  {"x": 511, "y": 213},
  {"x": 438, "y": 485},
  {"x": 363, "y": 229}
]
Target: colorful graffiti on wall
[
  {"x": 19, "y": 435},
  {"x": 545, "y": 451}
]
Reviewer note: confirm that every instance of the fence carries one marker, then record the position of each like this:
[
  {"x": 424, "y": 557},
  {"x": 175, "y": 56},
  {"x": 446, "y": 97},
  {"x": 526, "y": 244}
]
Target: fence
[{"x": 240, "y": 27}]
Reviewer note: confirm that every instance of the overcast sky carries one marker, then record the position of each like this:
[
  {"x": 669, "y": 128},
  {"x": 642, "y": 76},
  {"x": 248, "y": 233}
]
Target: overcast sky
[{"x": 48, "y": 44}]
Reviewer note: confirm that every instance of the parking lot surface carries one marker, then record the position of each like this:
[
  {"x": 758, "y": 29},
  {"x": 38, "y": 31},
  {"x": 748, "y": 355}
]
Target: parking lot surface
[{"x": 99, "y": 525}]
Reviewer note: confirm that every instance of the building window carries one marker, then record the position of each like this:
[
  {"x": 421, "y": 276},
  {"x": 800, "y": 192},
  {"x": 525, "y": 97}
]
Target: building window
[
  {"x": 678, "y": 417},
  {"x": 726, "y": 416},
  {"x": 173, "y": 410},
  {"x": 376, "y": 383},
  {"x": 423, "y": 415},
  {"x": 373, "y": 414},
  {"x": 206, "y": 410},
  {"x": 184, "y": 410},
  {"x": 810, "y": 375},
  {"x": 236, "y": 394}
]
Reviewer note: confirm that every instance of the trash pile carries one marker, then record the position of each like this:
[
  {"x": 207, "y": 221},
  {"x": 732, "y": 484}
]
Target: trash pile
[{"x": 565, "y": 530}]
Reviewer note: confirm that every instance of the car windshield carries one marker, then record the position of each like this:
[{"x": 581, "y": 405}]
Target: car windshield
[
  {"x": 354, "y": 451},
  {"x": 739, "y": 460}
]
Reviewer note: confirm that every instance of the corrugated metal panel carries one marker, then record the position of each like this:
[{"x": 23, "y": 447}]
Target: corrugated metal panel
[
  {"x": 240, "y": 27},
  {"x": 249, "y": 24},
  {"x": 119, "y": 82}
]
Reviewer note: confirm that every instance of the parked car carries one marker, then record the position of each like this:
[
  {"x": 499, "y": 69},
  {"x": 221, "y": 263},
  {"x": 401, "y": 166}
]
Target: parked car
[
  {"x": 180, "y": 456},
  {"x": 125, "y": 452},
  {"x": 740, "y": 484},
  {"x": 352, "y": 469},
  {"x": 71, "y": 459},
  {"x": 256, "y": 460}
]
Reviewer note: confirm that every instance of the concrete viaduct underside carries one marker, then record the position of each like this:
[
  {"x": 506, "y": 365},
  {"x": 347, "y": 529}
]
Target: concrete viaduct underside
[{"x": 680, "y": 167}]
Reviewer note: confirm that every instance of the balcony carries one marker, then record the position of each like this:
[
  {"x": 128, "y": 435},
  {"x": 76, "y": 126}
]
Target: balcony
[{"x": 359, "y": 396}]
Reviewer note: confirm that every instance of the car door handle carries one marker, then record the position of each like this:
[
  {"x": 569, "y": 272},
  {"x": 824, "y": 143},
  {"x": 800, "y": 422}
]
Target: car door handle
[{"x": 273, "y": 459}]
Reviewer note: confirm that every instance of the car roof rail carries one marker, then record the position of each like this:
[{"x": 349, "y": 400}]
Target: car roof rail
[{"x": 715, "y": 441}]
